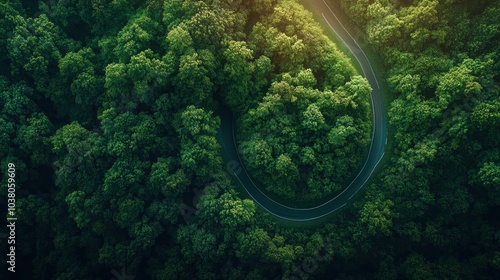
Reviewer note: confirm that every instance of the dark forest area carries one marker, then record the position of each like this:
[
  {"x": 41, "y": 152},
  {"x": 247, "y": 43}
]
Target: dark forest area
[{"x": 108, "y": 110}]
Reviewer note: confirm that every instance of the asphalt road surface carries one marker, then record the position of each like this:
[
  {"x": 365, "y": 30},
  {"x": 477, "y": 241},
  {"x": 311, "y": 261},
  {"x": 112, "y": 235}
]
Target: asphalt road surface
[{"x": 376, "y": 152}]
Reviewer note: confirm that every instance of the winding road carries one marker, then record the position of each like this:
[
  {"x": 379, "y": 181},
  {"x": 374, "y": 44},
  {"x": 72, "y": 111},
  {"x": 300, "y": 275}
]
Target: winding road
[{"x": 376, "y": 152}]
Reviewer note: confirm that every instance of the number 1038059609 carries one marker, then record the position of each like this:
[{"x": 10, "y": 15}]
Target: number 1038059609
[{"x": 11, "y": 189}]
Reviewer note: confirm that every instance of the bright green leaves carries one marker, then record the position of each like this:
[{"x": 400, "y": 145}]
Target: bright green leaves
[
  {"x": 487, "y": 115},
  {"x": 408, "y": 27},
  {"x": 35, "y": 49},
  {"x": 103, "y": 179},
  {"x": 116, "y": 79},
  {"x": 260, "y": 151},
  {"x": 422, "y": 24},
  {"x": 252, "y": 243},
  {"x": 179, "y": 41},
  {"x": 237, "y": 56},
  {"x": 201, "y": 157},
  {"x": 165, "y": 179},
  {"x": 235, "y": 212},
  {"x": 215, "y": 228},
  {"x": 377, "y": 215},
  {"x": 200, "y": 151},
  {"x": 306, "y": 79},
  {"x": 489, "y": 175},
  {"x": 209, "y": 29},
  {"x": 357, "y": 10},
  {"x": 239, "y": 72},
  {"x": 139, "y": 81},
  {"x": 130, "y": 133},
  {"x": 281, "y": 253},
  {"x": 288, "y": 50},
  {"x": 138, "y": 35},
  {"x": 457, "y": 84},
  {"x": 343, "y": 129},
  {"x": 293, "y": 41},
  {"x": 300, "y": 141},
  {"x": 148, "y": 73},
  {"x": 195, "y": 121},
  {"x": 385, "y": 30},
  {"x": 312, "y": 118},
  {"x": 74, "y": 63},
  {"x": 131, "y": 98},
  {"x": 193, "y": 81},
  {"x": 308, "y": 156},
  {"x": 34, "y": 40},
  {"x": 225, "y": 209},
  {"x": 73, "y": 138},
  {"x": 286, "y": 168},
  {"x": 359, "y": 90}
]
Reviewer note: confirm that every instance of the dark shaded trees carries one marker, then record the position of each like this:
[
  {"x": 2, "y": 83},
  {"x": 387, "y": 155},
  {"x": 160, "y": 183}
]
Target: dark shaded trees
[{"x": 106, "y": 109}]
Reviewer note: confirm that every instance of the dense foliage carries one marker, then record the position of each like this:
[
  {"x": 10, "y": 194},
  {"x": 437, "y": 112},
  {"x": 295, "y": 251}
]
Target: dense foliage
[
  {"x": 303, "y": 144},
  {"x": 309, "y": 133},
  {"x": 442, "y": 61},
  {"x": 107, "y": 111}
]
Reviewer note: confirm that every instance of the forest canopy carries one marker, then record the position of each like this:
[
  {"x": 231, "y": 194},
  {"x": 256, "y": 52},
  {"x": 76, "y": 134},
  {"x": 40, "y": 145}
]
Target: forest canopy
[{"x": 108, "y": 110}]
